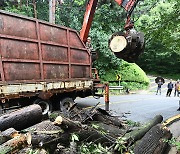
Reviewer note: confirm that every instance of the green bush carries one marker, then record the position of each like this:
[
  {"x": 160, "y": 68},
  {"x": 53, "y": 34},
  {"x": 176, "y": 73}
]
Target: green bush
[{"x": 132, "y": 76}]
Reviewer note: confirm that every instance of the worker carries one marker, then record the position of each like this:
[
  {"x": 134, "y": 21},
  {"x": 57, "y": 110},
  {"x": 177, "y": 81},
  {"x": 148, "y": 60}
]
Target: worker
[
  {"x": 160, "y": 83},
  {"x": 177, "y": 87},
  {"x": 170, "y": 86},
  {"x": 89, "y": 45}
]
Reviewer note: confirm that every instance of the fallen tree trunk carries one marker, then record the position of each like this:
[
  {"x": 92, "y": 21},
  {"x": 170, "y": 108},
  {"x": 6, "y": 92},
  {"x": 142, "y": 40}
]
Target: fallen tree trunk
[
  {"x": 21, "y": 118},
  {"x": 109, "y": 129},
  {"x": 108, "y": 119},
  {"x": 43, "y": 132},
  {"x": 84, "y": 132},
  {"x": 46, "y": 130},
  {"x": 154, "y": 141},
  {"x": 139, "y": 133},
  {"x": 15, "y": 144},
  {"x": 7, "y": 135}
]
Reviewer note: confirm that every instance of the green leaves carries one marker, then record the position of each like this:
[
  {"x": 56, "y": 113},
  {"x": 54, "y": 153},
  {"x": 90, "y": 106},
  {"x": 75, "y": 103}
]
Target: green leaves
[
  {"x": 160, "y": 26},
  {"x": 132, "y": 76},
  {"x": 74, "y": 137},
  {"x": 120, "y": 145},
  {"x": 92, "y": 148}
]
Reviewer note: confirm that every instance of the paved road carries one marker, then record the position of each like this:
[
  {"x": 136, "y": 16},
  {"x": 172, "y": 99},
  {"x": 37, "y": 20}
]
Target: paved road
[
  {"x": 142, "y": 106},
  {"x": 138, "y": 107}
]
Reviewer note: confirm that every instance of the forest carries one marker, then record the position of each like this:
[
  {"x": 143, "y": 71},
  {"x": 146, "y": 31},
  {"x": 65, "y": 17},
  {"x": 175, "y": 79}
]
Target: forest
[
  {"x": 159, "y": 20},
  {"x": 89, "y": 130}
]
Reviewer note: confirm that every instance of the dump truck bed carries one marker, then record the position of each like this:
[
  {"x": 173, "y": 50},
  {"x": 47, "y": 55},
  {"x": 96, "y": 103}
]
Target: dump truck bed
[{"x": 39, "y": 56}]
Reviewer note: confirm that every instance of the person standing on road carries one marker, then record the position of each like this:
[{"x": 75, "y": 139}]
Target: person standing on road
[
  {"x": 177, "y": 87},
  {"x": 170, "y": 88},
  {"x": 160, "y": 83}
]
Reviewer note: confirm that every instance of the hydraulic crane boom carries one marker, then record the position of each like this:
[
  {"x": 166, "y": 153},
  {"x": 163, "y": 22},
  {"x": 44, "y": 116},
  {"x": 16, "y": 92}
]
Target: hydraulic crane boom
[
  {"x": 128, "y": 5},
  {"x": 126, "y": 45}
]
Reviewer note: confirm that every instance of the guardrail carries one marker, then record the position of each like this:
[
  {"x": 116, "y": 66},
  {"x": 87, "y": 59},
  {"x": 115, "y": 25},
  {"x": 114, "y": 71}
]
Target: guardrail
[{"x": 116, "y": 87}]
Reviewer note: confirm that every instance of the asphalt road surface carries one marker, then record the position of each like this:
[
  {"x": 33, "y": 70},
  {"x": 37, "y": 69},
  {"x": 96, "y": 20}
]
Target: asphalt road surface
[{"x": 137, "y": 107}]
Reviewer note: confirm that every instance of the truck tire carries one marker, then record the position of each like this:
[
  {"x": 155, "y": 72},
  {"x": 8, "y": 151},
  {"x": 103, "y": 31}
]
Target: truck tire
[
  {"x": 1, "y": 109},
  {"x": 65, "y": 104},
  {"x": 45, "y": 105}
]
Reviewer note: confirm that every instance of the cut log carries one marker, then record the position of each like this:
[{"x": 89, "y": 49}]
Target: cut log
[
  {"x": 84, "y": 132},
  {"x": 118, "y": 43},
  {"x": 15, "y": 144},
  {"x": 43, "y": 132},
  {"x": 92, "y": 135},
  {"x": 67, "y": 124},
  {"x": 139, "y": 133},
  {"x": 109, "y": 129},
  {"x": 21, "y": 118},
  {"x": 107, "y": 119},
  {"x": 7, "y": 135},
  {"x": 47, "y": 131},
  {"x": 154, "y": 141}
]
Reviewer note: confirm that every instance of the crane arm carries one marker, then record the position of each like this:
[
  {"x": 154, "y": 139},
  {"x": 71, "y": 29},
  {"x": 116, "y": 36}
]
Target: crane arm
[{"x": 128, "y": 5}]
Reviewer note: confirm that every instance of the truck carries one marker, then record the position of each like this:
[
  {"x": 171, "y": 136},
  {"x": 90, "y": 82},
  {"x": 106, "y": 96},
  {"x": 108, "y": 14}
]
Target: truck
[{"x": 44, "y": 63}]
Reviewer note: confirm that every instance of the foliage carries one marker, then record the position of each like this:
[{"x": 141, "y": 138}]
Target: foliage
[
  {"x": 133, "y": 123},
  {"x": 120, "y": 145},
  {"x": 101, "y": 31},
  {"x": 174, "y": 142},
  {"x": 23, "y": 9},
  {"x": 99, "y": 129},
  {"x": 160, "y": 25},
  {"x": 132, "y": 76},
  {"x": 92, "y": 148},
  {"x": 31, "y": 151},
  {"x": 159, "y": 20},
  {"x": 74, "y": 137}
]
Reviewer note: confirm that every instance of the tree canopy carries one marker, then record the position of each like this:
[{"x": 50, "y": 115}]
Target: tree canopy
[{"x": 158, "y": 19}]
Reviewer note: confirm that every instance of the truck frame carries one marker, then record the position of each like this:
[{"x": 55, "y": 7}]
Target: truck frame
[{"x": 40, "y": 61}]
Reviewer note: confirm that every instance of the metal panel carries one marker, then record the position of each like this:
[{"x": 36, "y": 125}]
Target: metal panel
[
  {"x": 79, "y": 56},
  {"x": 55, "y": 71},
  {"x": 80, "y": 71},
  {"x": 15, "y": 49},
  {"x": 53, "y": 34},
  {"x": 21, "y": 71},
  {"x": 14, "y": 26},
  {"x": 33, "y": 51},
  {"x": 75, "y": 40},
  {"x": 54, "y": 53}
]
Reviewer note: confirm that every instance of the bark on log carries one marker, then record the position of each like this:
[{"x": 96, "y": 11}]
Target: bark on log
[
  {"x": 67, "y": 124},
  {"x": 21, "y": 118},
  {"x": 28, "y": 150},
  {"x": 108, "y": 119},
  {"x": 15, "y": 144},
  {"x": 153, "y": 142},
  {"x": 7, "y": 135},
  {"x": 92, "y": 135},
  {"x": 139, "y": 133},
  {"x": 109, "y": 129},
  {"x": 105, "y": 117},
  {"x": 84, "y": 132},
  {"x": 43, "y": 132}
]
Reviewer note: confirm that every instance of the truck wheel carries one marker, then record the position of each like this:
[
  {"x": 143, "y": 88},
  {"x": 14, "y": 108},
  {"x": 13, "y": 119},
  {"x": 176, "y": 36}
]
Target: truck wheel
[
  {"x": 66, "y": 104},
  {"x": 45, "y": 105},
  {"x": 1, "y": 109}
]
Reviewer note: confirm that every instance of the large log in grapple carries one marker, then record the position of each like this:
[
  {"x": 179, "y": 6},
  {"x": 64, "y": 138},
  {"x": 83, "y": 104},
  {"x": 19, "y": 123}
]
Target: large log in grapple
[{"x": 127, "y": 46}]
